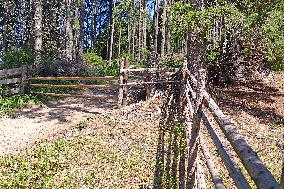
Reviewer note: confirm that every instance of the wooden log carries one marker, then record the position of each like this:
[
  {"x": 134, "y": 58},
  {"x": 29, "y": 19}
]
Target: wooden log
[
  {"x": 72, "y": 95},
  {"x": 79, "y": 86},
  {"x": 10, "y": 81},
  {"x": 149, "y": 83},
  {"x": 231, "y": 165},
  {"x": 10, "y": 72},
  {"x": 150, "y": 70},
  {"x": 201, "y": 183},
  {"x": 216, "y": 178},
  {"x": 121, "y": 79},
  {"x": 105, "y": 78},
  {"x": 256, "y": 169},
  {"x": 193, "y": 144},
  {"x": 10, "y": 91}
]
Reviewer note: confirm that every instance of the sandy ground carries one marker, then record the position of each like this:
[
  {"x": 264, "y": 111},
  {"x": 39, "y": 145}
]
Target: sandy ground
[{"x": 28, "y": 126}]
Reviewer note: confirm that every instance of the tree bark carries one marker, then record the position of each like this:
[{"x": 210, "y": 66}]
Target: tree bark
[
  {"x": 156, "y": 25},
  {"x": 38, "y": 31},
  {"x": 94, "y": 24},
  {"x": 111, "y": 39},
  {"x": 69, "y": 32},
  {"x": 163, "y": 28},
  {"x": 144, "y": 24},
  {"x": 81, "y": 38}
]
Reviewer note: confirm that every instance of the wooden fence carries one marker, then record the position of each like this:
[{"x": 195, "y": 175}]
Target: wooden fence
[
  {"x": 193, "y": 96},
  {"x": 25, "y": 83},
  {"x": 148, "y": 82},
  {"x": 17, "y": 77}
]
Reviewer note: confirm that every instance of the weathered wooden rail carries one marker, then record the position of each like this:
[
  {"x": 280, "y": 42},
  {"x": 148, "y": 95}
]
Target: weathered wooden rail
[
  {"x": 193, "y": 97},
  {"x": 19, "y": 80}
]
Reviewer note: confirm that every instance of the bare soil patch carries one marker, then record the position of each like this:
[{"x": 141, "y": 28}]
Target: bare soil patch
[{"x": 29, "y": 125}]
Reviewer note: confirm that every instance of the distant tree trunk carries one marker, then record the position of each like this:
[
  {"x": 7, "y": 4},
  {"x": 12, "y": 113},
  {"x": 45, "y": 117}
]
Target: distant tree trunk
[
  {"x": 94, "y": 24},
  {"x": 81, "y": 38},
  {"x": 69, "y": 32},
  {"x": 111, "y": 39},
  {"x": 156, "y": 25},
  {"x": 140, "y": 27},
  {"x": 133, "y": 28},
  {"x": 119, "y": 39},
  {"x": 168, "y": 32},
  {"x": 144, "y": 24},
  {"x": 129, "y": 32},
  {"x": 38, "y": 30},
  {"x": 163, "y": 28}
]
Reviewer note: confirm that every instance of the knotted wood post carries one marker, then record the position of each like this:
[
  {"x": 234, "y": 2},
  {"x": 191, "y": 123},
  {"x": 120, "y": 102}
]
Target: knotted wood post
[
  {"x": 24, "y": 78},
  {"x": 193, "y": 141},
  {"x": 123, "y": 89}
]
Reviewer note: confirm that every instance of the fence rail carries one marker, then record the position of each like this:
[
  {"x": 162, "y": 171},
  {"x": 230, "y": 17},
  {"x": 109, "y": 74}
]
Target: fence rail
[
  {"x": 261, "y": 176},
  {"x": 19, "y": 80}
]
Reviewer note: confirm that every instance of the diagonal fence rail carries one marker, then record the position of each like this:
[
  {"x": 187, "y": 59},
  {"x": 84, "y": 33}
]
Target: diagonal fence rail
[{"x": 188, "y": 99}]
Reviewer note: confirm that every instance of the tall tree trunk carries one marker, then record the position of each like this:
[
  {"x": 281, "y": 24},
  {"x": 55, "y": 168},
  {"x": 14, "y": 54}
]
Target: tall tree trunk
[
  {"x": 69, "y": 32},
  {"x": 81, "y": 38},
  {"x": 144, "y": 24},
  {"x": 38, "y": 30},
  {"x": 111, "y": 39},
  {"x": 163, "y": 28},
  {"x": 129, "y": 32},
  {"x": 156, "y": 25},
  {"x": 119, "y": 39},
  {"x": 168, "y": 31},
  {"x": 140, "y": 28},
  {"x": 94, "y": 24}
]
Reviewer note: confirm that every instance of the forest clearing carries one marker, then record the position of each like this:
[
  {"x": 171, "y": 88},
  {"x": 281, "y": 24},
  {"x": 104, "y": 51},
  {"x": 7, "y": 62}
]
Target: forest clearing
[{"x": 142, "y": 94}]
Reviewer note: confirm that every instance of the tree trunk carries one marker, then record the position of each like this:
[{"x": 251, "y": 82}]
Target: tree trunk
[
  {"x": 112, "y": 7},
  {"x": 156, "y": 25},
  {"x": 69, "y": 32},
  {"x": 140, "y": 27},
  {"x": 129, "y": 32},
  {"x": 81, "y": 38},
  {"x": 119, "y": 39},
  {"x": 144, "y": 24},
  {"x": 38, "y": 31},
  {"x": 94, "y": 24},
  {"x": 163, "y": 28}
]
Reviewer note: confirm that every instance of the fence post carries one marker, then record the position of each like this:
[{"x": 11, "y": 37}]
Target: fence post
[
  {"x": 196, "y": 119},
  {"x": 24, "y": 78},
  {"x": 125, "y": 78},
  {"x": 121, "y": 79}
]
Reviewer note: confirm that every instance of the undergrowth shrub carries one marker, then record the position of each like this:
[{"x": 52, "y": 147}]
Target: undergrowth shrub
[
  {"x": 17, "y": 58},
  {"x": 8, "y": 104},
  {"x": 102, "y": 66}
]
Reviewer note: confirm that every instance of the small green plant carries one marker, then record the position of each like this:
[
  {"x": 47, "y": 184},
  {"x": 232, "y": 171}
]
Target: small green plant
[{"x": 81, "y": 125}]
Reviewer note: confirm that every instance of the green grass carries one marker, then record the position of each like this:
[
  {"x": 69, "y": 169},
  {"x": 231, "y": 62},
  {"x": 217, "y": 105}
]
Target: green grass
[
  {"x": 8, "y": 104},
  {"x": 107, "y": 158}
]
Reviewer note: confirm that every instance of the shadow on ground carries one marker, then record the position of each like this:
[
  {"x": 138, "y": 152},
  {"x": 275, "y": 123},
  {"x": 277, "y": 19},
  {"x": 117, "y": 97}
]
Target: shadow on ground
[
  {"x": 62, "y": 110},
  {"x": 256, "y": 98}
]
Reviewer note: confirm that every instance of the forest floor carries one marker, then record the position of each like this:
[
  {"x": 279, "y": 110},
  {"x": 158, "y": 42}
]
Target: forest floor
[{"x": 130, "y": 148}]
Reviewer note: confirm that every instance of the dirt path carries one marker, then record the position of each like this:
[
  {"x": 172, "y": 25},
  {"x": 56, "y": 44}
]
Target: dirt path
[{"x": 33, "y": 124}]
